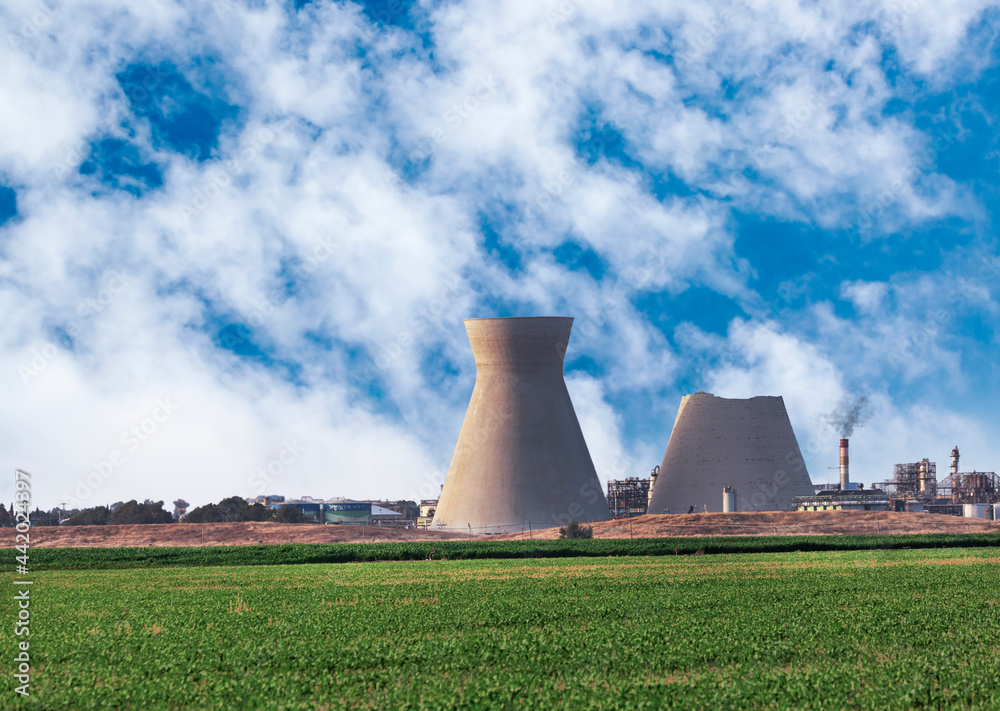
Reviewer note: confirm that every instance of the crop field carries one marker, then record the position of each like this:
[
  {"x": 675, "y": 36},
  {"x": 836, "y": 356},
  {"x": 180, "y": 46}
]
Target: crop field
[
  {"x": 851, "y": 629},
  {"x": 296, "y": 554}
]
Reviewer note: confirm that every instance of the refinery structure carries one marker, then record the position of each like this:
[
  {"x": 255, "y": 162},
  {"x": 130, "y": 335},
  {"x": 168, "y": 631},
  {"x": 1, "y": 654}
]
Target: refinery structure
[{"x": 916, "y": 486}]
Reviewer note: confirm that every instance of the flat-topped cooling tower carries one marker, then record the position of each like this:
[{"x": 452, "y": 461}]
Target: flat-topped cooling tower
[
  {"x": 521, "y": 458},
  {"x": 718, "y": 442}
]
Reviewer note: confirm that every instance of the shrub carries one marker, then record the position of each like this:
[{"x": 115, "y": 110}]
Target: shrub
[{"x": 575, "y": 530}]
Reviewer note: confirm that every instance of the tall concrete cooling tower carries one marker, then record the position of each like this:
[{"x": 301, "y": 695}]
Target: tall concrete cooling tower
[
  {"x": 717, "y": 442},
  {"x": 521, "y": 459}
]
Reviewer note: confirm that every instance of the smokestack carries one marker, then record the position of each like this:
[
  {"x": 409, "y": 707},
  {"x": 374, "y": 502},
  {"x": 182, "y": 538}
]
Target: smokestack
[
  {"x": 954, "y": 464},
  {"x": 844, "y": 466}
]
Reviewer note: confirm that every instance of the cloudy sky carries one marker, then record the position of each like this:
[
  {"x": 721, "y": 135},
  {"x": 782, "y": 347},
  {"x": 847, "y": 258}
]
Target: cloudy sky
[{"x": 238, "y": 237}]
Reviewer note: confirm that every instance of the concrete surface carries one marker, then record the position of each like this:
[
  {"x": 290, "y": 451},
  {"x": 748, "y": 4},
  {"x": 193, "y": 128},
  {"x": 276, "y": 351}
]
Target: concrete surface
[
  {"x": 521, "y": 459},
  {"x": 717, "y": 442}
]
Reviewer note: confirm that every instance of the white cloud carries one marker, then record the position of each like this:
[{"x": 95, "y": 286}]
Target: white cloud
[{"x": 310, "y": 229}]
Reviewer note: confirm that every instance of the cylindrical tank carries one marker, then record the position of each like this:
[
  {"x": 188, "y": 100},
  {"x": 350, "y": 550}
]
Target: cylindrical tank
[
  {"x": 521, "y": 458},
  {"x": 914, "y": 507},
  {"x": 996, "y": 512},
  {"x": 728, "y": 499},
  {"x": 974, "y": 510},
  {"x": 923, "y": 476}
]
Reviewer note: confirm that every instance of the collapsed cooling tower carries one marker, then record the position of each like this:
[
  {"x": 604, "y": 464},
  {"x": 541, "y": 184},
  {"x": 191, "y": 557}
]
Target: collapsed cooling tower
[
  {"x": 718, "y": 442},
  {"x": 521, "y": 458}
]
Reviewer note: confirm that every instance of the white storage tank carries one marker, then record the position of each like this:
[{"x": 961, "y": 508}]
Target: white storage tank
[
  {"x": 728, "y": 499},
  {"x": 974, "y": 510},
  {"x": 996, "y": 512}
]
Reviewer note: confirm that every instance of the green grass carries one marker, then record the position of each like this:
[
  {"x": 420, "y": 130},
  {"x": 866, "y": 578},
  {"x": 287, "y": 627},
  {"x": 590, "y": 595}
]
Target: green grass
[
  {"x": 818, "y": 630},
  {"x": 95, "y": 558}
]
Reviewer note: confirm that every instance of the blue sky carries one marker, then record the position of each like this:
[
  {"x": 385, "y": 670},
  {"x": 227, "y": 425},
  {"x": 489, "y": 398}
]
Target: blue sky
[{"x": 238, "y": 239}]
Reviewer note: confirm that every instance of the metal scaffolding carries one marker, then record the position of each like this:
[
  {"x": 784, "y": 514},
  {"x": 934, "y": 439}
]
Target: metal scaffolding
[
  {"x": 628, "y": 497},
  {"x": 971, "y": 488},
  {"x": 915, "y": 480}
]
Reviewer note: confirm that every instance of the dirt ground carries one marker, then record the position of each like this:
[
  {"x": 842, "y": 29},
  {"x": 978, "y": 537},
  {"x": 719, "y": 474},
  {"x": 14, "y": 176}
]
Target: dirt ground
[
  {"x": 717, "y": 524},
  {"x": 779, "y": 523}
]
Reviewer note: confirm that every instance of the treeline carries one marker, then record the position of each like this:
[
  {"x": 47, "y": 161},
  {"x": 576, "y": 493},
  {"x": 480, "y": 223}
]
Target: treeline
[
  {"x": 236, "y": 509},
  {"x": 132, "y": 512},
  {"x": 121, "y": 513}
]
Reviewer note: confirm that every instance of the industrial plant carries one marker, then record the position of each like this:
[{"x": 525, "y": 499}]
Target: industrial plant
[
  {"x": 346, "y": 511},
  {"x": 521, "y": 459},
  {"x": 915, "y": 486},
  {"x": 630, "y": 496}
]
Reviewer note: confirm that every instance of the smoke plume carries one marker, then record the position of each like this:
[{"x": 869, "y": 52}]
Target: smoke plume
[{"x": 851, "y": 415}]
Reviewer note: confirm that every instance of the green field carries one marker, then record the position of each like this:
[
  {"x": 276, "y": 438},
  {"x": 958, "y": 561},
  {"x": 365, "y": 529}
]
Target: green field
[
  {"x": 297, "y": 554},
  {"x": 856, "y": 629}
]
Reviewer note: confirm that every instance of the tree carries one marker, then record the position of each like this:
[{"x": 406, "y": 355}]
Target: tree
[
  {"x": 97, "y": 516},
  {"x": 209, "y": 513},
  {"x": 231, "y": 509},
  {"x": 43, "y": 518},
  {"x": 575, "y": 530},
  {"x": 132, "y": 512},
  {"x": 6, "y": 517},
  {"x": 259, "y": 512},
  {"x": 289, "y": 514}
]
